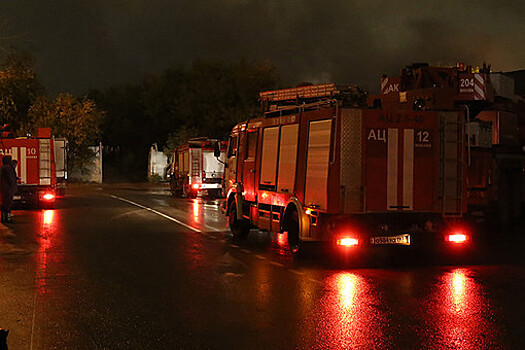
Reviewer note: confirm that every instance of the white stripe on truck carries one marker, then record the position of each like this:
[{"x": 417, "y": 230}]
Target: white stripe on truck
[
  {"x": 408, "y": 169},
  {"x": 391, "y": 169},
  {"x": 23, "y": 165}
]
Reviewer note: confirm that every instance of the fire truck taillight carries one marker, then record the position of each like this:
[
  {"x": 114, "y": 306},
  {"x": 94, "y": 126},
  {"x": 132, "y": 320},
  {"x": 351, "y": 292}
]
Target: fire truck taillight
[
  {"x": 48, "y": 197},
  {"x": 456, "y": 238},
  {"x": 347, "y": 242}
]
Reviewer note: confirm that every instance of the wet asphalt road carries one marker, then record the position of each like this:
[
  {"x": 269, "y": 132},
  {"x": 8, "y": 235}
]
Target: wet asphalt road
[{"x": 129, "y": 267}]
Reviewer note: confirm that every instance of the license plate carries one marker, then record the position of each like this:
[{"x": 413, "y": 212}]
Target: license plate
[
  {"x": 397, "y": 240},
  {"x": 17, "y": 197}
]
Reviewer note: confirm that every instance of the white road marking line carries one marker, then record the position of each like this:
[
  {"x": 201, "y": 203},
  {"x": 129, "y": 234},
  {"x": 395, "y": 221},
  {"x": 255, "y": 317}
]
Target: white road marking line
[
  {"x": 213, "y": 229},
  {"x": 158, "y": 213},
  {"x": 260, "y": 257}
]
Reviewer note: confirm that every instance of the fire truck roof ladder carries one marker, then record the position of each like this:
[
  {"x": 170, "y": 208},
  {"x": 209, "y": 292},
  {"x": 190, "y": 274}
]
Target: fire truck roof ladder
[
  {"x": 305, "y": 97},
  {"x": 303, "y": 92}
]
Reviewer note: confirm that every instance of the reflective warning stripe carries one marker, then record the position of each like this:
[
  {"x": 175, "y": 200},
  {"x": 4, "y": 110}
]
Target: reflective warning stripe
[
  {"x": 391, "y": 169},
  {"x": 384, "y": 82},
  {"x": 479, "y": 87},
  {"x": 408, "y": 169},
  {"x": 14, "y": 153},
  {"x": 22, "y": 165}
]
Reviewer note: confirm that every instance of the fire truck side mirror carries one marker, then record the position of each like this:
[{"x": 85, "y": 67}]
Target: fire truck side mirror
[{"x": 217, "y": 149}]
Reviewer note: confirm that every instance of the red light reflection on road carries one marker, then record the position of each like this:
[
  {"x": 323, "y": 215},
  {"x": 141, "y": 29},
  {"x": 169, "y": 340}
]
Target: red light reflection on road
[
  {"x": 196, "y": 211},
  {"x": 457, "y": 290},
  {"x": 348, "y": 317},
  {"x": 48, "y": 216},
  {"x": 460, "y": 314},
  {"x": 46, "y": 239}
]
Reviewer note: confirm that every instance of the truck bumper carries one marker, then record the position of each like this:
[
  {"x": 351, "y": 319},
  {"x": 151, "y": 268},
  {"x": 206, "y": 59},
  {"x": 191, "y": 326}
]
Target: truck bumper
[{"x": 40, "y": 196}]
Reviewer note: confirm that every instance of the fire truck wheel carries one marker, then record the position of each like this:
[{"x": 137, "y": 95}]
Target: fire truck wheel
[
  {"x": 175, "y": 191},
  {"x": 188, "y": 193},
  {"x": 292, "y": 231},
  {"x": 239, "y": 228}
]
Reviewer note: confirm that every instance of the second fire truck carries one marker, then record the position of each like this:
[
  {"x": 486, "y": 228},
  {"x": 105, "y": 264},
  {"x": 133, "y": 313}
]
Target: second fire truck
[
  {"x": 409, "y": 169},
  {"x": 194, "y": 169}
]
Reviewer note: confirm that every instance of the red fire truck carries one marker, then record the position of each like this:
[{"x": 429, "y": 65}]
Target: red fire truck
[
  {"x": 36, "y": 167},
  {"x": 406, "y": 170},
  {"x": 195, "y": 169}
]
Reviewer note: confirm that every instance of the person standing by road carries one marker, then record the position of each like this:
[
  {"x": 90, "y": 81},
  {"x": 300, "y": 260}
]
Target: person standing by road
[
  {"x": 14, "y": 162},
  {"x": 8, "y": 186}
]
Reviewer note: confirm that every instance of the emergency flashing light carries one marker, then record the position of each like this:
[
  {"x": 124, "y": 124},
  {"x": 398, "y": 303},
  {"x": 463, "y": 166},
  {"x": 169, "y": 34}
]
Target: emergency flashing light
[
  {"x": 348, "y": 242},
  {"x": 195, "y": 186}
]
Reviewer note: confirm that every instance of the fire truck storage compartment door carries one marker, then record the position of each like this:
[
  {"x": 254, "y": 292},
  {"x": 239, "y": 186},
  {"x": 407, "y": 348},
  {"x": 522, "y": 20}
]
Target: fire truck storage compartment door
[
  {"x": 60, "y": 158},
  {"x": 351, "y": 130},
  {"x": 186, "y": 161},
  {"x": 317, "y": 163},
  {"x": 269, "y": 156},
  {"x": 287, "y": 158},
  {"x": 45, "y": 161}
]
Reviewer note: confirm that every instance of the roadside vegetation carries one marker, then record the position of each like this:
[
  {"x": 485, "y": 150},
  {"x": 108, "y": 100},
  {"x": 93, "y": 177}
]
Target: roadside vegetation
[
  {"x": 25, "y": 105},
  {"x": 206, "y": 98}
]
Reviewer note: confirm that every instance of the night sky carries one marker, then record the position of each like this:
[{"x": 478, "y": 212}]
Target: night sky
[{"x": 81, "y": 44}]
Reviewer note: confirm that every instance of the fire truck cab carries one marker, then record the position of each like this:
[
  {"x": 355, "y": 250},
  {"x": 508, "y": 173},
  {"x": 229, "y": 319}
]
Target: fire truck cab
[{"x": 319, "y": 167}]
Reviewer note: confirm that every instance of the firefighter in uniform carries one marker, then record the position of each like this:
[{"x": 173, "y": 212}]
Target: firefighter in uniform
[{"x": 8, "y": 187}]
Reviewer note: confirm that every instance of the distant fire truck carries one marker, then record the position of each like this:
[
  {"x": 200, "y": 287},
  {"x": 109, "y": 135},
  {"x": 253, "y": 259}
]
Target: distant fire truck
[
  {"x": 61, "y": 146},
  {"x": 194, "y": 169},
  {"x": 35, "y": 168},
  {"x": 409, "y": 169}
]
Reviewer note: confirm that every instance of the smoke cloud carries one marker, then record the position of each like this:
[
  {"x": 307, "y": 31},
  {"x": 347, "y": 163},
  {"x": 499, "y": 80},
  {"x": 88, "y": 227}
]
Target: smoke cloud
[{"x": 98, "y": 43}]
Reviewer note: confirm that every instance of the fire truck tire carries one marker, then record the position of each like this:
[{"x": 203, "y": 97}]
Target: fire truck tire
[
  {"x": 174, "y": 189},
  {"x": 176, "y": 193},
  {"x": 291, "y": 228},
  {"x": 239, "y": 228},
  {"x": 187, "y": 192}
]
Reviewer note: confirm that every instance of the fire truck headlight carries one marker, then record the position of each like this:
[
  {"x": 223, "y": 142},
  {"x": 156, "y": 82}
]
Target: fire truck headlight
[{"x": 195, "y": 186}]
